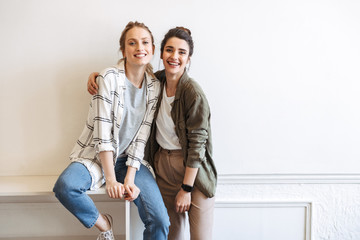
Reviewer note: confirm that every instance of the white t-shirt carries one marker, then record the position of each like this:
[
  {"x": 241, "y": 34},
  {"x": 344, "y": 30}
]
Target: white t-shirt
[{"x": 165, "y": 134}]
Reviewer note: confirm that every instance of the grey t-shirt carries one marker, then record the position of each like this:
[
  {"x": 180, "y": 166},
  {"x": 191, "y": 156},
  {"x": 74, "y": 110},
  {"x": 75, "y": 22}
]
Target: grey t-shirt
[{"x": 133, "y": 115}]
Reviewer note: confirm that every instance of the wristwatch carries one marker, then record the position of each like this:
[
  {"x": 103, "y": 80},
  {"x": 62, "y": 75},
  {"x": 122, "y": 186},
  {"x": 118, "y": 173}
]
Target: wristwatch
[{"x": 187, "y": 188}]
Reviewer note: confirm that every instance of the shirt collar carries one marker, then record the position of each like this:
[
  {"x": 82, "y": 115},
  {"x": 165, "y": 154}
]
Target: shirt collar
[{"x": 149, "y": 79}]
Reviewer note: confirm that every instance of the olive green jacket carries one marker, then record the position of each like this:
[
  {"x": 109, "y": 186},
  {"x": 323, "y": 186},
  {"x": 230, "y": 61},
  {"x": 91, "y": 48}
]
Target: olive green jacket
[{"x": 191, "y": 115}]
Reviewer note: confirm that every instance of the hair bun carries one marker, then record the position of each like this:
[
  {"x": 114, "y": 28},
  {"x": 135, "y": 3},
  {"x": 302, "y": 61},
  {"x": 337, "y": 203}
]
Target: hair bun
[{"x": 185, "y": 30}]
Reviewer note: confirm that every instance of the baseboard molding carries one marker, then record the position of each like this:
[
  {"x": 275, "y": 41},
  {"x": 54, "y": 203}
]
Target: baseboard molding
[{"x": 289, "y": 178}]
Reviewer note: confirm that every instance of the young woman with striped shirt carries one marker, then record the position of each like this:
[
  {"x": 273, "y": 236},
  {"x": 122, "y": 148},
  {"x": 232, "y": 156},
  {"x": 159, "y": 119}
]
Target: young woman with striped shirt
[{"x": 111, "y": 146}]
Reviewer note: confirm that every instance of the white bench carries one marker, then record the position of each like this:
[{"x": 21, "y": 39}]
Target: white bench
[{"x": 33, "y": 189}]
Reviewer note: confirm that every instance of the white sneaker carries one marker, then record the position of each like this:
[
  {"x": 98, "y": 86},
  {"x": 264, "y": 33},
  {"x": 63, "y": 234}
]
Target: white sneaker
[{"x": 108, "y": 235}]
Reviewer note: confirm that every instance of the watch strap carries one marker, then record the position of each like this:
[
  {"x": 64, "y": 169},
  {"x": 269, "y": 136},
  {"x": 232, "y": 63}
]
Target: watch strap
[{"x": 187, "y": 188}]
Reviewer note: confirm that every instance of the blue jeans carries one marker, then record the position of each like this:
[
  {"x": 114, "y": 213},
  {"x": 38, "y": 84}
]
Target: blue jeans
[{"x": 73, "y": 183}]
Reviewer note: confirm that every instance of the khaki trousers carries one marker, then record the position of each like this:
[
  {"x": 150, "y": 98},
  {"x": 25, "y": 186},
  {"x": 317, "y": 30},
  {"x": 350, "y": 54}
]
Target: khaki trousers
[{"x": 170, "y": 172}]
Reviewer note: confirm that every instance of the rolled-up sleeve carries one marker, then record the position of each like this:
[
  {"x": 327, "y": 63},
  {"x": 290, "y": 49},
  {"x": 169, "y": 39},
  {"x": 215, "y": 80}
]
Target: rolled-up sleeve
[{"x": 103, "y": 118}]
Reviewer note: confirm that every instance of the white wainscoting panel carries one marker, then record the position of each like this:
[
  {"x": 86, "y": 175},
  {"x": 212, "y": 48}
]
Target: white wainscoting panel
[
  {"x": 252, "y": 220},
  {"x": 239, "y": 220}
]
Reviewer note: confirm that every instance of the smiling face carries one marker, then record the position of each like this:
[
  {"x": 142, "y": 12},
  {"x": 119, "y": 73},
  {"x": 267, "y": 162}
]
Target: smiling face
[
  {"x": 175, "y": 56},
  {"x": 138, "y": 48}
]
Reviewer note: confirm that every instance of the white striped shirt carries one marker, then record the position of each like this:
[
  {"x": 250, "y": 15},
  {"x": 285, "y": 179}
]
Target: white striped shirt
[{"x": 101, "y": 131}]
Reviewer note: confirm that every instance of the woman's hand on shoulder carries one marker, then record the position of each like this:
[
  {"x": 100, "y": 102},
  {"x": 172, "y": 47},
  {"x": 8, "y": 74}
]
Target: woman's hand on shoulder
[{"x": 92, "y": 87}]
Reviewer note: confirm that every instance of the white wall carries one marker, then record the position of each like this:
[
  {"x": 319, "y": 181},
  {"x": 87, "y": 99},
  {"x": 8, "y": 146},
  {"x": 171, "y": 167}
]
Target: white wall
[{"x": 282, "y": 78}]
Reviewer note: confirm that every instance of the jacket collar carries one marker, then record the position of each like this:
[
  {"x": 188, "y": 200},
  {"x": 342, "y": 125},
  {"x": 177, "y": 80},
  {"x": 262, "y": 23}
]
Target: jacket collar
[{"x": 184, "y": 78}]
